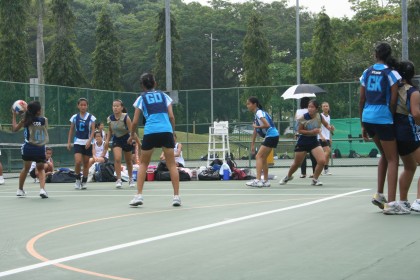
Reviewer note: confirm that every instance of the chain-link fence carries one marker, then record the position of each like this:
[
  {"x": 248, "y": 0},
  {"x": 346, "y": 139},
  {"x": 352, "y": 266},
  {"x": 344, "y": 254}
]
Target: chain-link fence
[{"x": 193, "y": 111}]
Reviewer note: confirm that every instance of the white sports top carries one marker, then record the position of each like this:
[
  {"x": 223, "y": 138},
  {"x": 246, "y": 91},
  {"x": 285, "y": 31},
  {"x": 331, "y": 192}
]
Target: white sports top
[
  {"x": 99, "y": 150},
  {"x": 179, "y": 159},
  {"x": 324, "y": 131}
]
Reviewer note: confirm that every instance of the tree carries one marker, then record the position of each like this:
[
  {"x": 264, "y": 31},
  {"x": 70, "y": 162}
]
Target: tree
[
  {"x": 160, "y": 67},
  {"x": 323, "y": 66},
  {"x": 14, "y": 58},
  {"x": 62, "y": 66},
  {"x": 106, "y": 57},
  {"x": 256, "y": 56}
]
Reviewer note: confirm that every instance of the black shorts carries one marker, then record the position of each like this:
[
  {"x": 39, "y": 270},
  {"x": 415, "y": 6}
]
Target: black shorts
[
  {"x": 407, "y": 147},
  {"x": 32, "y": 173},
  {"x": 271, "y": 142},
  {"x": 306, "y": 148},
  {"x": 385, "y": 132},
  {"x": 158, "y": 140},
  {"x": 325, "y": 143},
  {"x": 37, "y": 159},
  {"x": 81, "y": 149},
  {"x": 123, "y": 145}
]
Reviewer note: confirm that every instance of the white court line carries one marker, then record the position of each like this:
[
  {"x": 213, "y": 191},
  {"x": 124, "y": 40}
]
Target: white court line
[{"x": 169, "y": 235}]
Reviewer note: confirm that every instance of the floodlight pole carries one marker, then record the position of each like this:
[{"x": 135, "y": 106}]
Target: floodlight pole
[
  {"x": 404, "y": 29},
  {"x": 297, "y": 44},
  {"x": 168, "y": 46},
  {"x": 211, "y": 74}
]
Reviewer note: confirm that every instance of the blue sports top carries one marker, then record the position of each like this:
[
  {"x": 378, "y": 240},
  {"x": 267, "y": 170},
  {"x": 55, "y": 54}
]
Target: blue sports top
[
  {"x": 82, "y": 127},
  {"x": 377, "y": 80},
  {"x": 265, "y": 132},
  {"x": 154, "y": 105}
]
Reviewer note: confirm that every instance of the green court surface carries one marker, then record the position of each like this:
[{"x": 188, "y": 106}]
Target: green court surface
[{"x": 223, "y": 230}]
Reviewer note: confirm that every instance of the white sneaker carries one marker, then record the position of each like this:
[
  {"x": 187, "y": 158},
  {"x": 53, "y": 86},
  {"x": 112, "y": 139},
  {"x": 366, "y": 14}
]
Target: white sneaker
[
  {"x": 1, "y": 180},
  {"x": 83, "y": 185},
  {"x": 405, "y": 204},
  {"x": 118, "y": 184},
  {"x": 379, "y": 200},
  {"x": 285, "y": 180},
  {"x": 316, "y": 183},
  {"x": 137, "y": 200},
  {"x": 131, "y": 183},
  {"x": 176, "y": 201},
  {"x": 20, "y": 193},
  {"x": 43, "y": 193},
  {"x": 78, "y": 185},
  {"x": 36, "y": 180},
  {"x": 415, "y": 206},
  {"x": 327, "y": 172},
  {"x": 266, "y": 184},
  {"x": 394, "y": 208},
  {"x": 255, "y": 183}
]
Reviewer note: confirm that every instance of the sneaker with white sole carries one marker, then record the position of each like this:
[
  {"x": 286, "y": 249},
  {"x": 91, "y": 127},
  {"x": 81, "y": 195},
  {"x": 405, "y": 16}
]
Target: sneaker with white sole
[
  {"x": 316, "y": 183},
  {"x": 20, "y": 193},
  {"x": 131, "y": 183},
  {"x": 285, "y": 180},
  {"x": 1, "y": 180},
  {"x": 118, "y": 184},
  {"x": 405, "y": 205},
  {"x": 415, "y": 206},
  {"x": 327, "y": 172},
  {"x": 379, "y": 200},
  {"x": 43, "y": 193},
  {"x": 137, "y": 200},
  {"x": 83, "y": 185},
  {"x": 266, "y": 184},
  {"x": 78, "y": 185},
  {"x": 176, "y": 201},
  {"x": 395, "y": 208},
  {"x": 255, "y": 183}
]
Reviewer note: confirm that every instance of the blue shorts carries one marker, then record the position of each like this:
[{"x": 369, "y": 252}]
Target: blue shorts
[
  {"x": 325, "y": 143},
  {"x": 407, "y": 147},
  {"x": 306, "y": 148},
  {"x": 81, "y": 149},
  {"x": 158, "y": 140},
  {"x": 33, "y": 153},
  {"x": 271, "y": 142},
  {"x": 385, "y": 132}
]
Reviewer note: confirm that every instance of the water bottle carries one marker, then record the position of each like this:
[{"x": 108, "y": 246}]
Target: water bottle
[{"x": 226, "y": 175}]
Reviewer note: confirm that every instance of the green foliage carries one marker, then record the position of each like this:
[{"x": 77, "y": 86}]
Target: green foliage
[
  {"x": 62, "y": 66},
  {"x": 106, "y": 57},
  {"x": 14, "y": 59},
  {"x": 323, "y": 66}
]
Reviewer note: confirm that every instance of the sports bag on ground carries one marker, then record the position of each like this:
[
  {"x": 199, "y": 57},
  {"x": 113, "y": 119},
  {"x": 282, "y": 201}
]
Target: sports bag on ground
[{"x": 105, "y": 172}]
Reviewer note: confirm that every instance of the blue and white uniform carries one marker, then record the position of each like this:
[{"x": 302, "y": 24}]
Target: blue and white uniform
[
  {"x": 82, "y": 126},
  {"x": 309, "y": 124},
  {"x": 377, "y": 80},
  {"x": 154, "y": 105},
  {"x": 271, "y": 134}
]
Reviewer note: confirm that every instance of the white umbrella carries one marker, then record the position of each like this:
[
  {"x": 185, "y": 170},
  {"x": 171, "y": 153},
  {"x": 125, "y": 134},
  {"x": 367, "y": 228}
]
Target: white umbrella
[{"x": 302, "y": 90}]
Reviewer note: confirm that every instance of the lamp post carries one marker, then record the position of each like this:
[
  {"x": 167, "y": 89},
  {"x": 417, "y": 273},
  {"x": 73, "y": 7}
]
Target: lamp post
[
  {"x": 404, "y": 30},
  {"x": 211, "y": 74}
]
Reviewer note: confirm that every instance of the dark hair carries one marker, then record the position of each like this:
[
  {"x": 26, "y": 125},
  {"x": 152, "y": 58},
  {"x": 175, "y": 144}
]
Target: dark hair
[
  {"x": 124, "y": 110},
  {"x": 82, "y": 99},
  {"x": 147, "y": 80},
  {"x": 254, "y": 100},
  {"x": 97, "y": 125},
  {"x": 383, "y": 52},
  {"x": 34, "y": 107},
  {"x": 314, "y": 102},
  {"x": 48, "y": 149},
  {"x": 97, "y": 132},
  {"x": 304, "y": 101},
  {"x": 406, "y": 70}
]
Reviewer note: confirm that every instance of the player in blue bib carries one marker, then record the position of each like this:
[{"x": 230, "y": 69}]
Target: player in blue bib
[
  {"x": 159, "y": 130},
  {"x": 265, "y": 128},
  {"x": 377, "y": 105}
]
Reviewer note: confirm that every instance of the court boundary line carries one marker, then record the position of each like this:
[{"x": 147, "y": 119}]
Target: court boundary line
[{"x": 169, "y": 235}]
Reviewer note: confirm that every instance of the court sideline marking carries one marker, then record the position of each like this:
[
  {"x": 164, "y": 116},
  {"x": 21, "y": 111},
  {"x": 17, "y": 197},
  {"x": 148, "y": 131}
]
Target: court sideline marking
[{"x": 169, "y": 235}]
